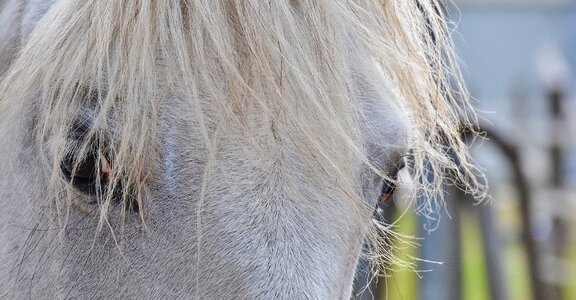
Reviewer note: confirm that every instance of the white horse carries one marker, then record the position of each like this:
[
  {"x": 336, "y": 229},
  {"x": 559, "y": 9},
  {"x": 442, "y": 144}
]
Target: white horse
[{"x": 213, "y": 149}]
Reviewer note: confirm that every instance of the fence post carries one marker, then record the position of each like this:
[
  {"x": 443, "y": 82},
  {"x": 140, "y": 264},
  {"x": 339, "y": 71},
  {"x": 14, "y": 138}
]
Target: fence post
[
  {"x": 559, "y": 228},
  {"x": 492, "y": 245}
]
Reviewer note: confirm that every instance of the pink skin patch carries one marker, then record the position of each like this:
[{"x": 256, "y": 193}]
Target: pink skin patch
[{"x": 106, "y": 167}]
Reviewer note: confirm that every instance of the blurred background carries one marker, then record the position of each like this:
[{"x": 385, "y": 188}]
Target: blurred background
[{"x": 519, "y": 61}]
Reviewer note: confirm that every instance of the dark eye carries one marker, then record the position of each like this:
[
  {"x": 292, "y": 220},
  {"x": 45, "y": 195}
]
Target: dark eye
[
  {"x": 389, "y": 186},
  {"x": 92, "y": 176},
  {"x": 387, "y": 191},
  {"x": 91, "y": 172}
]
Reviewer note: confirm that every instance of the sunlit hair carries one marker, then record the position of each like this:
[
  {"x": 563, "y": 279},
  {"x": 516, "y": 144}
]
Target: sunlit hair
[{"x": 239, "y": 64}]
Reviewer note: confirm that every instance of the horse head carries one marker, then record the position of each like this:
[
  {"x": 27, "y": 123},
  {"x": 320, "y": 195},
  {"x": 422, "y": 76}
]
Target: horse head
[{"x": 213, "y": 149}]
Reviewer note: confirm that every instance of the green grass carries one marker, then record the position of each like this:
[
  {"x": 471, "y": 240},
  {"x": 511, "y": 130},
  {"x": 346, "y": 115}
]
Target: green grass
[
  {"x": 569, "y": 291},
  {"x": 403, "y": 283},
  {"x": 474, "y": 283},
  {"x": 516, "y": 269}
]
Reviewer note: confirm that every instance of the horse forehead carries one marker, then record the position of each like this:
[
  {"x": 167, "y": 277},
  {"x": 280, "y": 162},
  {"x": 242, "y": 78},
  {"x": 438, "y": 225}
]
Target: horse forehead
[{"x": 385, "y": 131}]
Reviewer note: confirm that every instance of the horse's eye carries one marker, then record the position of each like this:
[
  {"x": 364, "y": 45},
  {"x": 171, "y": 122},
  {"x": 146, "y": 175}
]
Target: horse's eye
[
  {"x": 90, "y": 174},
  {"x": 389, "y": 186},
  {"x": 387, "y": 191}
]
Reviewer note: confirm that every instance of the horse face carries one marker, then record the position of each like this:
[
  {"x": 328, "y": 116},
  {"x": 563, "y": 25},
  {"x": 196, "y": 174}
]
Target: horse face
[
  {"x": 250, "y": 226},
  {"x": 256, "y": 227},
  {"x": 231, "y": 223}
]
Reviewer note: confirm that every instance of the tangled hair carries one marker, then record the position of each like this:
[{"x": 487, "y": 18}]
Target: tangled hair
[{"x": 257, "y": 62}]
